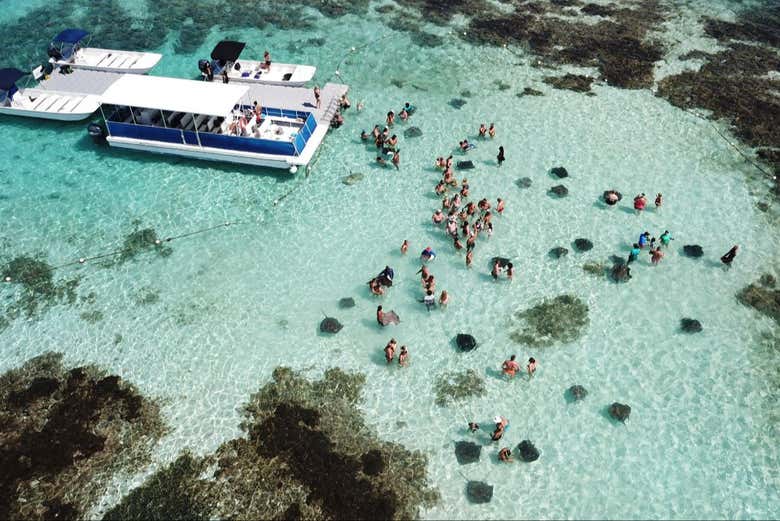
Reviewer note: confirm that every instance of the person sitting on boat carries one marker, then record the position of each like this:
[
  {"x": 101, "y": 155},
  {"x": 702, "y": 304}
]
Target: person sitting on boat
[
  {"x": 208, "y": 71},
  {"x": 344, "y": 102},
  {"x": 258, "y": 111},
  {"x": 267, "y": 58},
  {"x": 225, "y": 78}
]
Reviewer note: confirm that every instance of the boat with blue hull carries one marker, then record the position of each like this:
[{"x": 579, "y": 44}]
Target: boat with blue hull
[{"x": 217, "y": 122}]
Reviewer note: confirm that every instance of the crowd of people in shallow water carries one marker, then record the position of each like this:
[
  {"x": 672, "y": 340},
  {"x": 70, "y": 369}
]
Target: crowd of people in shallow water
[{"x": 465, "y": 220}]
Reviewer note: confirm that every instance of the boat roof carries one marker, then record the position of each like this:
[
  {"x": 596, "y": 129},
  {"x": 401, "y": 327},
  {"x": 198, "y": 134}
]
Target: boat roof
[
  {"x": 227, "y": 50},
  {"x": 9, "y": 77},
  {"x": 177, "y": 95},
  {"x": 71, "y": 36}
]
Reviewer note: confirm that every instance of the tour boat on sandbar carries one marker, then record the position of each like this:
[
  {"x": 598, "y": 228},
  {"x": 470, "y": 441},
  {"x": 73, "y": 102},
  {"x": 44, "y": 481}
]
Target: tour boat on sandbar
[
  {"x": 66, "y": 50},
  {"x": 225, "y": 55},
  {"x": 216, "y": 122},
  {"x": 40, "y": 103}
]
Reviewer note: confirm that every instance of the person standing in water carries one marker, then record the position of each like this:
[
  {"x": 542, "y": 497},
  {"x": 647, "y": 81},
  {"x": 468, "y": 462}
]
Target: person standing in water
[
  {"x": 444, "y": 299},
  {"x": 492, "y": 131},
  {"x": 396, "y": 158},
  {"x": 659, "y": 200},
  {"x": 403, "y": 357},
  {"x": 665, "y": 238},
  {"x": 390, "y": 350},
  {"x": 510, "y": 367},
  {"x": 531, "y": 367},
  {"x": 405, "y": 247},
  {"x": 469, "y": 258},
  {"x": 656, "y": 255},
  {"x": 380, "y": 315},
  {"x": 496, "y": 271},
  {"x": 729, "y": 255},
  {"x": 640, "y": 201},
  {"x": 500, "y": 158}
]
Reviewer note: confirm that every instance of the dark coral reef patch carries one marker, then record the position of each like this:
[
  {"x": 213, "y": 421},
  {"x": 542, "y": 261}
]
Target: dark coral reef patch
[
  {"x": 307, "y": 454},
  {"x": 63, "y": 432}
]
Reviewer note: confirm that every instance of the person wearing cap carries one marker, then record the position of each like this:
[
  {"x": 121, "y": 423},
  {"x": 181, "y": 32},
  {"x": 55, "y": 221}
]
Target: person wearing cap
[
  {"x": 501, "y": 424},
  {"x": 428, "y": 254}
]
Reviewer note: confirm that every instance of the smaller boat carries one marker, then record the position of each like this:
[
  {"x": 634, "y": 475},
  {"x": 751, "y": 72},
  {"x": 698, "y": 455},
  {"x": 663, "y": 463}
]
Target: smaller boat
[
  {"x": 225, "y": 56},
  {"x": 66, "y": 50},
  {"x": 40, "y": 103}
]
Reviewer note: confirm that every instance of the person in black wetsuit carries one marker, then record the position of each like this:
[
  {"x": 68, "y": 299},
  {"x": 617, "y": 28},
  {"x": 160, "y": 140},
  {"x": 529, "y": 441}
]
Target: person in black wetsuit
[{"x": 729, "y": 256}]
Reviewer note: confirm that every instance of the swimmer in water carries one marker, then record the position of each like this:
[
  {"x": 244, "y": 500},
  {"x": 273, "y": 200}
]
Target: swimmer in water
[
  {"x": 640, "y": 201},
  {"x": 390, "y": 350},
  {"x": 496, "y": 271},
  {"x": 500, "y": 206},
  {"x": 363, "y": 136},
  {"x": 505, "y": 455},
  {"x": 510, "y": 271},
  {"x": 531, "y": 367},
  {"x": 611, "y": 198},
  {"x": 429, "y": 300},
  {"x": 404, "y": 115},
  {"x": 428, "y": 254},
  {"x": 403, "y": 357},
  {"x": 444, "y": 299},
  {"x": 728, "y": 257},
  {"x": 405, "y": 247},
  {"x": 482, "y": 130},
  {"x": 501, "y": 424},
  {"x": 656, "y": 255},
  {"x": 634, "y": 254},
  {"x": 438, "y": 217},
  {"x": 510, "y": 367},
  {"x": 492, "y": 130},
  {"x": 473, "y": 427},
  {"x": 390, "y": 118}
]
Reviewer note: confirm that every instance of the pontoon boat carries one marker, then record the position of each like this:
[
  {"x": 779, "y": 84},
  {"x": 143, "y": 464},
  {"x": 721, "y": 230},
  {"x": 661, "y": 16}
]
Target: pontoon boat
[
  {"x": 66, "y": 50},
  {"x": 40, "y": 103},
  {"x": 206, "y": 121},
  {"x": 225, "y": 55}
]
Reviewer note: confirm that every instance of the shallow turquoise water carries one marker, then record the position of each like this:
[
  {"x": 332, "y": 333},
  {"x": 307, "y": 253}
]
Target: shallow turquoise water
[{"x": 238, "y": 301}]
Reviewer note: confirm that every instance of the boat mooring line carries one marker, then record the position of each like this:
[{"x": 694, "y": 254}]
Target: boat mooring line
[{"x": 159, "y": 242}]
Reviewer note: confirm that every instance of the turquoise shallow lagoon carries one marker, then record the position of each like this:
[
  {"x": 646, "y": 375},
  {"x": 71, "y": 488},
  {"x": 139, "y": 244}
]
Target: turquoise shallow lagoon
[{"x": 231, "y": 304}]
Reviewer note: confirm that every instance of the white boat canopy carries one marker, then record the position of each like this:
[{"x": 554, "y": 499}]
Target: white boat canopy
[{"x": 173, "y": 94}]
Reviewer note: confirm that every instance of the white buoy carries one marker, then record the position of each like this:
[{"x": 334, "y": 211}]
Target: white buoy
[
  {"x": 82, "y": 260},
  {"x": 157, "y": 242},
  {"x": 338, "y": 73},
  {"x": 293, "y": 169},
  {"x": 8, "y": 279},
  {"x": 353, "y": 49}
]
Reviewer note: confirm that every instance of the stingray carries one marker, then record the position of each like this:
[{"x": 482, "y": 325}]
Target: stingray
[
  {"x": 390, "y": 317},
  {"x": 330, "y": 325},
  {"x": 413, "y": 132},
  {"x": 457, "y": 103},
  {"x": 465, "y": 165}
]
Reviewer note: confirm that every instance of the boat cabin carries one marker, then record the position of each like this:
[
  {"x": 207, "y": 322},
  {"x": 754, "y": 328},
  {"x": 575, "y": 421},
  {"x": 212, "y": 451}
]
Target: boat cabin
[{"x": 201, "y": 119}]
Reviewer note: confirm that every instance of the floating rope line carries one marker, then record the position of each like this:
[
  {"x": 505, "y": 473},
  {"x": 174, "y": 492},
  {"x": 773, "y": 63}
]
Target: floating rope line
[{"x": 159, "y": 242}]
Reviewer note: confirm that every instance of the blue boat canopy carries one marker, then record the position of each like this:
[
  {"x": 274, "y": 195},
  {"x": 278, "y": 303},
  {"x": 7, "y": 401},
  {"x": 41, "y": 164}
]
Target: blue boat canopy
[
  {"x": 71, "y": 36},
  {"x": 9, "y": 77}
]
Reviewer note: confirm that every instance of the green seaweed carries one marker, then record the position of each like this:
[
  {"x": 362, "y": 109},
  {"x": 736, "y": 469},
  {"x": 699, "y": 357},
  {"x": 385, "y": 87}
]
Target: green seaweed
[
  {"x": 39, "y": 291},
  {"x": 557, "y": 320},
  {"x": 297, "y": 432},
  {"x": 64, "y": 432},
  {"x": 92, "y": 317},
  {"x": 762, "y": 298},
  {"x": 141, "y": 241},
  {"x": 455, "y": 386}
]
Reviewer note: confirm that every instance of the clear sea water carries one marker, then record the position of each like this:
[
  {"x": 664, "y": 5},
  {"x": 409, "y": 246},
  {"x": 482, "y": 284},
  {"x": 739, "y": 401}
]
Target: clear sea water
[{"x": 702, "y": 440}]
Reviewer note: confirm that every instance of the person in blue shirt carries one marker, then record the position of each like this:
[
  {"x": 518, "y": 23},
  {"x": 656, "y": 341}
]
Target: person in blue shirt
[{"x": 643, "y": 239}]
